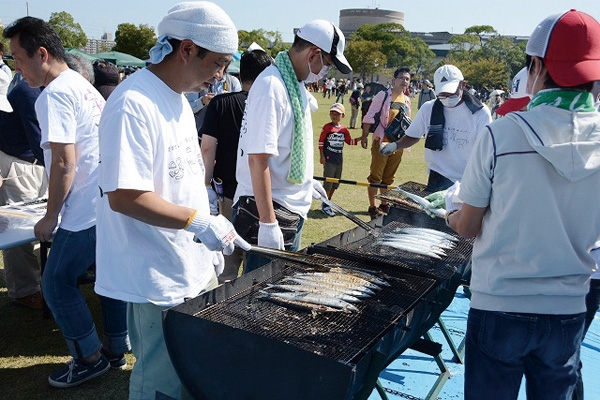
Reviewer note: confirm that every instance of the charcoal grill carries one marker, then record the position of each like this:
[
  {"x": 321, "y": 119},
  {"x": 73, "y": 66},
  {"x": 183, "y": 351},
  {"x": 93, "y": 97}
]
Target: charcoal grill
[{"x": 229, "y": 344}]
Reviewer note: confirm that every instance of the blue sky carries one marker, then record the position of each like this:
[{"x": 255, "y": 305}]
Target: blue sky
[{"x": 507, "y": 17}]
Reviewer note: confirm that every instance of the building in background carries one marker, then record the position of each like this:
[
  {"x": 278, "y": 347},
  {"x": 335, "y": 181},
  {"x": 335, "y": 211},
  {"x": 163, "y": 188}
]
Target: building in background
[
  {"x": 352, "y": 18},
  {"x": 106, "y": 43}
]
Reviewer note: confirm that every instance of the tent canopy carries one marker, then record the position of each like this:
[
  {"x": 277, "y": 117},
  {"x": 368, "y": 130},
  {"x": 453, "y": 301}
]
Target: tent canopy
[
  {"x": 76, "y": 52},
  {"x": 121, "y": 59}
]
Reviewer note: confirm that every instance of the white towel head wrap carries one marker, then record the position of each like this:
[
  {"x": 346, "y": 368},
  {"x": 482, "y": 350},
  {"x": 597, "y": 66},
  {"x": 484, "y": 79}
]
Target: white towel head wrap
[{"x": 202, "y": 22}]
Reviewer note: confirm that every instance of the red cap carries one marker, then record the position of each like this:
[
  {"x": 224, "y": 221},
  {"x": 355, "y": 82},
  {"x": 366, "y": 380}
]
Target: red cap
[{"x": 569, "y": 44}]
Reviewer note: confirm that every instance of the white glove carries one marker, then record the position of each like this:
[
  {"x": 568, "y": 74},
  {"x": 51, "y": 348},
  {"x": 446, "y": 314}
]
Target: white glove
[
  {"x": 216, "y": 233},
  {"x": 270, "y": 235},
  {"x": 318, "y": 190},
  {"x": 453, "y": 203},
  {"x": 213, "y": 200},
  {"x": 387, "y": 148},
  {"x": 218, "y": 262}
]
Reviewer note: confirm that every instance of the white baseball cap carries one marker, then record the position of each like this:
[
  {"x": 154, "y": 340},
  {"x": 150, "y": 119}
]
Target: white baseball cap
[
  {"x": 519, "y": 97},
  {"x": 328, "y": 37},
  {"x": 447, "y": 78}
]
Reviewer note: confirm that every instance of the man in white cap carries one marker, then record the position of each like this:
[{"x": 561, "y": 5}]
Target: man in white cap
[
  {"x": 450, "y": 125},
  {"x": 530, "y": 194},
  {"x": 519, "y": 98},
  {"x": 153, "y": 202},
  {"x": 275, "y": 154}
]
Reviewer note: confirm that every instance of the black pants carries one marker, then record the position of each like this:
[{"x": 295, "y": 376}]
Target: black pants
[{"x": 437, "y": 182}]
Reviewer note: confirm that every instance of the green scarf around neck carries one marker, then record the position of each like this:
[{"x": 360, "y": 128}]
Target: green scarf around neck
[
  {"x": 298, "y": 151},
  {"x": 566, "y": 99}
]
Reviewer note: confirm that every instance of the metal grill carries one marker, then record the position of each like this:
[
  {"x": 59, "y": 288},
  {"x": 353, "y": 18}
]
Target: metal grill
[
  {"x": 399, "y": 200},
  {"x": 340, "y": 336}
]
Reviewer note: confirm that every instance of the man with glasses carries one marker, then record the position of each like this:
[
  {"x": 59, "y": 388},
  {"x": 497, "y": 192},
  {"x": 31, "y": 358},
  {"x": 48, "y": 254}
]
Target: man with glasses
[
  {"x": 275, "y": 154},
  {"x": 450, "y": 124}
]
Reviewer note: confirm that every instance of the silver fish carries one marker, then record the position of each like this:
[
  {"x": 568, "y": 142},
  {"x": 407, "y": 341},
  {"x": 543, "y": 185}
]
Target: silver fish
[
  {"x": 361, "y": 274},
  {"x": 438, "y": 212},
  {"x": 445, "y": 235},
  {"x": 316, "y": 289},
  {"x": 411, "y": 249},
  {"x": 313, "y": 298},
  {"x": 343, "y": 277},
  {"x": 414, "y": 243},
  {"x": 347, "y": 287},
  {"x": 346, "y": 290},
  {"x": 314, "y": 308}
]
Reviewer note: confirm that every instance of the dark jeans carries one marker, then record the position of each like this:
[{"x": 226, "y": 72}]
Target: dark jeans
[
  {"x": 502, "y": 347},
  {"x": 437, "y": 182},
  {"x": 71, "y": 255},
  {"x": 592, "y": 303}
]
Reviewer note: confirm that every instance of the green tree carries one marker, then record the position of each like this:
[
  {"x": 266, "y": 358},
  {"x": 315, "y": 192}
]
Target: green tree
[
  {"x": 271, "y": 41},
  {"x": 397, "y": 44},
  {"x": 70, "y": 32},
  {"x": 134, "y": 40},
  {"x": 365, "y": 57}
]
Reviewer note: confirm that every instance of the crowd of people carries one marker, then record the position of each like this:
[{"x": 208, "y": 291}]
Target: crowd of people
[{"x": 165, "y": 181}]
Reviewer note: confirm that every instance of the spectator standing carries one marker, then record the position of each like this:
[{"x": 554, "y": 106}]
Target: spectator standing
[
  {"x": 451, "y": 124},
  {"x": 275, "y": 156},
  {"x": 341, "y": 91},
  {"x": 22, "y": 157},
  {"x": 427, "y": 93},
  {"x": 386, "y": 105},
  {"x": 530, "y": 175},
  {"x": 68, "y": 111},
  {"x": 519, "y": 98},
  {"x": 153, "y": 199},
  {"x": 106, "y": 77},
  {"x": 221, "y": 134},
  {"x": 331, "y": 145},
  {"x": 355, "y": 105}
]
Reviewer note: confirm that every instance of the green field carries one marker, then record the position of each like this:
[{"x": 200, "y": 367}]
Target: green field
[{"x": 32, "y": 347}]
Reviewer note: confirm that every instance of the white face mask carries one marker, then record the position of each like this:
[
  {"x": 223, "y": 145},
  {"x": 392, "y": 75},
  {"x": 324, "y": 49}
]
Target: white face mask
[
  {"x": 529, "y": 89},
  {"x": 312, "y": 77},
  {"x": 451, "y": 101}
]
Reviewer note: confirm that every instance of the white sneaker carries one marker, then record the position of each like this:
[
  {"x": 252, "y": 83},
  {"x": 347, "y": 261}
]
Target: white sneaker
[{"x": 325, "y": 209}]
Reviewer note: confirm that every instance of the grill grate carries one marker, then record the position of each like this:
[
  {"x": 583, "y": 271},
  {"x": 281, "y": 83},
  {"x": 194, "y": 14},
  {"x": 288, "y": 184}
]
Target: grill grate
[
  {"x": 401, "y": 201},
  {"x": 344, "y": 337}
]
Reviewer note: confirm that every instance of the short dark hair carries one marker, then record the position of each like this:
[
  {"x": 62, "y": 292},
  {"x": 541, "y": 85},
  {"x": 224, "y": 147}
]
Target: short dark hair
[
  {"x": 35, "y": 33},
  {"x": 175, "y": 43},
  {"x": 549, "y": 83},
  {"x": 401, "y": 70},
  {"x": 252, "y": 64}
]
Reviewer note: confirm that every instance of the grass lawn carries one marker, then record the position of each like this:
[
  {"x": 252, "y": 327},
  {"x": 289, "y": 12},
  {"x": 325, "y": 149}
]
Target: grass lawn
[{"x": 32, "y": 347}]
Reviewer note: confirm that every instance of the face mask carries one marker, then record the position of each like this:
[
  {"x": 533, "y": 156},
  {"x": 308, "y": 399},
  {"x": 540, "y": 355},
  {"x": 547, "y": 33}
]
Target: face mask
[
  {"x": 451, "y": 101},
  {"x": 529, "y": 89},
  {"x": 312, "y": 77}
]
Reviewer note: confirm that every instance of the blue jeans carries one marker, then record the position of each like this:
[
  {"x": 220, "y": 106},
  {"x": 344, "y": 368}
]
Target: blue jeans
[
  {"x": 254, "y": 261},
  {"x": 502, "y": 347},
  {"x": 72, "y": 253},
  {"x": 592, "y": 303}
]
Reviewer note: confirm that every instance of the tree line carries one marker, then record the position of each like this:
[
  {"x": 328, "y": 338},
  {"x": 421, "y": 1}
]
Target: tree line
[{"x": 486, "y": 58}]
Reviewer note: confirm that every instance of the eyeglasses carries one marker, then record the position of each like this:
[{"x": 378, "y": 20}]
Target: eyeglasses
[{"x": 449, "y": 96}]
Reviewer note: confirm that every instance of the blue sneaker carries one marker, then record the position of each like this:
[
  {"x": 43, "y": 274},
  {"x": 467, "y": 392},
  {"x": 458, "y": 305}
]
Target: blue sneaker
[
  {"x": 76, "y": 372},
  {"x": 117, "y": 361}
]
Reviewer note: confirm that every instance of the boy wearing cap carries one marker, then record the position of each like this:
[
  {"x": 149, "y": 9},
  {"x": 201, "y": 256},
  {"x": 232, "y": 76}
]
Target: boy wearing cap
[
  {"x": 530, "y": 193},
  {"x": 153, "y": 203},
  {"x": 450, "y": 124},
  {"x": 275, "y": 155},
  {"x": 331, "y": 144},
  {"x": 427, "y": 93}
]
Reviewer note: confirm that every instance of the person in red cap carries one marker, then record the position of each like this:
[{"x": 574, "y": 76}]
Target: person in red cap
[
  {"x": 530, "y": 198},
  {"x": 519, "y": 98}
]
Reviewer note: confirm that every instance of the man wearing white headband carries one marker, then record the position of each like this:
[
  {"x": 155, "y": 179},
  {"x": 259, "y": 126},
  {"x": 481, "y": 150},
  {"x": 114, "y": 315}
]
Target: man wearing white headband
[{"x": 153, "y": 202}]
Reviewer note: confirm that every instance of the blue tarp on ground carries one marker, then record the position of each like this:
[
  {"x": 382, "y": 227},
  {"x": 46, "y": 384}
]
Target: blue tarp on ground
[{"x": 414, "y": 373}]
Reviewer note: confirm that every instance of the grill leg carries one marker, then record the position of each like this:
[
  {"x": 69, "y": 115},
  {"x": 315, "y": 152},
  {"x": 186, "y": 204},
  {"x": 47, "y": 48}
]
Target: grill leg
[
  {"x": 380, "y": 390},
  {"x": 456, "y": 351},
  {"x": 442, "y": 378}
]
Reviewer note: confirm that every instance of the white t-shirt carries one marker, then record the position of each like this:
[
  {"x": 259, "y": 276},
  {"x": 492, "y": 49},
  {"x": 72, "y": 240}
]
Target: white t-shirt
[
  {"x": 148, "y": 142},
  {"x": 68, "y": 111},
  {"x": 267, "y": 128},
  {"x": 460, "y": 131}
]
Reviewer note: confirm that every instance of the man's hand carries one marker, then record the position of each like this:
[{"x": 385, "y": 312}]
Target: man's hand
[
  {"x": 388, "y": 148},
  {"x": 216, "y": 233},
  {"x": 364, "y": 142},
  {"x": 318, "y": 190},
  {"x": 437, "y": 199},
  {"x": 213, "y": 200},
  {"x": 270, "y": 235},
  {"x": 218, "y": 262},
  {"x": 45, "y": 227}
]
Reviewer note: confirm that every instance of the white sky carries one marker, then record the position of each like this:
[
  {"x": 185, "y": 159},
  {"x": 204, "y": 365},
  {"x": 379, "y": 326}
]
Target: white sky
[{"x": 508, "y": 17}]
